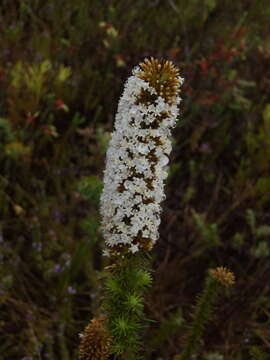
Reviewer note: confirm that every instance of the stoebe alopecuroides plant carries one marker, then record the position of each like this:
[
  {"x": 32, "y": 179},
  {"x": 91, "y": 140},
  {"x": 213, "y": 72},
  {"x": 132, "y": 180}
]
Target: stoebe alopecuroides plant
[{"x": 133, "y": 190}]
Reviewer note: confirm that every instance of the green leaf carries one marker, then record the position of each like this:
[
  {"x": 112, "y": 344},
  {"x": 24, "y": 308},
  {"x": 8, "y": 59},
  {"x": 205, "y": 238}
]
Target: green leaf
[{"x": 90, "y": 188}]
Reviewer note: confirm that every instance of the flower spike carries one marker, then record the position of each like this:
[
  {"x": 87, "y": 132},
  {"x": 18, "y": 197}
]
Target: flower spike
[{"x": 137, "y": 158}]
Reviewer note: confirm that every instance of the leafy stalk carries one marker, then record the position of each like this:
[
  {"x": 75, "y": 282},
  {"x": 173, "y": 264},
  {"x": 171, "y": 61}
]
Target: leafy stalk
[
  {"x": 125, "y": 286},
  {"x": 204, "y": 308}
]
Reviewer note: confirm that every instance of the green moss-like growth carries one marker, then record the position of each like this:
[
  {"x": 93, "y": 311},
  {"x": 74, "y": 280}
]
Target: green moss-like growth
[{"x": 125, "y": 286}]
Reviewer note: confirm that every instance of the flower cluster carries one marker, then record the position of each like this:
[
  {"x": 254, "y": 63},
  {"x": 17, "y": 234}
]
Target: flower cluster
[
  {"x": 223, "y": 276},
  {"x": 137, "y": 158}
]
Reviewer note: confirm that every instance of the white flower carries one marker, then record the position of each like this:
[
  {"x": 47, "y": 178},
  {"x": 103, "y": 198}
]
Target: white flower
[
  {"x": 134, "y": 248},
  {"x": 137, "y": 158}
]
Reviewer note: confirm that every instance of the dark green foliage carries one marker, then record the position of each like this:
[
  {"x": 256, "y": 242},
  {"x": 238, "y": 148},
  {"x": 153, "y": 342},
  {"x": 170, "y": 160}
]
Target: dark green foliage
[
  {"x": 168, "y": 328},
  {"x": 62, "y": 68},
  {"x": 257, "y": 354}
]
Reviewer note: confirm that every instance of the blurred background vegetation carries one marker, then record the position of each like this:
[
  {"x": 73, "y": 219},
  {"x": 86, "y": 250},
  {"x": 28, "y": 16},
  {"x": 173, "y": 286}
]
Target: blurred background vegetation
[{"x": 63, "y": 64}]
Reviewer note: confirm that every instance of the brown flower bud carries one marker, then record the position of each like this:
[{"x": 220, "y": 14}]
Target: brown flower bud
[{"x": 95, "y": 341}]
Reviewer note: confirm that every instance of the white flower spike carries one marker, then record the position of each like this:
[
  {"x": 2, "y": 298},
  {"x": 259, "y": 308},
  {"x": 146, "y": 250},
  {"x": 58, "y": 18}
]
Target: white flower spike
[{"x": 137, "y": 158}]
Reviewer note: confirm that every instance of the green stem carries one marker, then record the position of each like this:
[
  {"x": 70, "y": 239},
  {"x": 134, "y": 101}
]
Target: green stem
[
  {"x": 201, "y": 315},
  {"x": 125, "y": 286}
]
